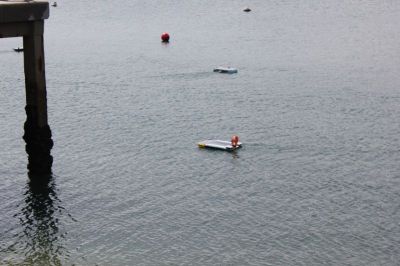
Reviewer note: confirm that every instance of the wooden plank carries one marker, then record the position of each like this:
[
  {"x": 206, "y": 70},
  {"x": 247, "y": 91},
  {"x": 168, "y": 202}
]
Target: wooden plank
[
  {"x": 17, "y": 17},
  {"x": 19, "y": 29},
  {"x": 18, "y": 11}
]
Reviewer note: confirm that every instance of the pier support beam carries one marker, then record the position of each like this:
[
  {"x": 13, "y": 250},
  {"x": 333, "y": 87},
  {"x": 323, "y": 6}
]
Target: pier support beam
[
  {"x": 26, "y": 19},
  {"x": 37, "y": 131}
]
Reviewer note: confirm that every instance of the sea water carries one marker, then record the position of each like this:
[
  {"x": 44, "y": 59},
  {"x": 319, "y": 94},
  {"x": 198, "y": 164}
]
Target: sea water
[{"x": 316, "y": 103}]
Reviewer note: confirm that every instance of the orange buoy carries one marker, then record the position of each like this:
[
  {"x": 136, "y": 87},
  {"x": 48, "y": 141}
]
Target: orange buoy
[
  {"x": 165, "y": 37},
  {"x": 234, "y": 141}
]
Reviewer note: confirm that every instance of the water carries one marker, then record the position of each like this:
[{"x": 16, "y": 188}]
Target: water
[{"x": 315, "y": 102}]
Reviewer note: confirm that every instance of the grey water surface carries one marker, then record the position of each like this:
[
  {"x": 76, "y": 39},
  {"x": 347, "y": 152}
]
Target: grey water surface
[{"x": 316, "y": 103}]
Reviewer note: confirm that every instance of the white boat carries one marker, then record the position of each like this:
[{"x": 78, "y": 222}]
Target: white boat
[
  {"x": 54, "y": 4},
  {"x": 219, "y": 145},
  {"x": 228, "y": 70}
]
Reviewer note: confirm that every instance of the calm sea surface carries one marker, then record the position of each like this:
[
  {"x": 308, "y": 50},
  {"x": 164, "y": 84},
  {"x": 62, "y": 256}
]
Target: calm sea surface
[{"x": 316, "y": 103}]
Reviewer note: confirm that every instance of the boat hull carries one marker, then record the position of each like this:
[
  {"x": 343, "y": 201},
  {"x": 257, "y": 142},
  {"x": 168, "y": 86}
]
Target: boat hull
[{"x": 218, "y": 145}]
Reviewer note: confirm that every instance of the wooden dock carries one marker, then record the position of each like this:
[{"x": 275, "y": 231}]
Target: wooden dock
[{"x": 23, "y": 18}]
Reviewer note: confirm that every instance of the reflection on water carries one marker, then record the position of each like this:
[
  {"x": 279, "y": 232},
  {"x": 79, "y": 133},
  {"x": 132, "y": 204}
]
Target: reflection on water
[
  {"x": 40, "y": 241},
  {"x": 235, "y": 155}
]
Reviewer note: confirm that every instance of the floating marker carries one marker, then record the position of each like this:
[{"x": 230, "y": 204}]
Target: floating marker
[{"x": 165, "y": 37}]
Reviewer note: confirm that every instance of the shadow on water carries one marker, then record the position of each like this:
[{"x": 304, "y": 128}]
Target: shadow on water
[{"x": 39, "y": 242}]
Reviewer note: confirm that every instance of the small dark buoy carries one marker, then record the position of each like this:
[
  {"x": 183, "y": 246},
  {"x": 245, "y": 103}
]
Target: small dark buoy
[
  {"x": 165, "y": 37},
  {"x": 18, "y": 49},
  {"x": 247, "y": 9}
]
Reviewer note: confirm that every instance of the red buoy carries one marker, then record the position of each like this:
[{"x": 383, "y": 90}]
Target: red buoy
[
  {"x": 165, "y": 37},
  {"x": 234, "y": 141}
]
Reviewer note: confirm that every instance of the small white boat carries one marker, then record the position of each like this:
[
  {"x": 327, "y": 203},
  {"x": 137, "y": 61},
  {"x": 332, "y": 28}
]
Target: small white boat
[
  {"x": 247, "y": 9},
  {"x": 219, "y": 145},
  {"x": 54, "y": 4},
  {"x": 228, "y": 70}
]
